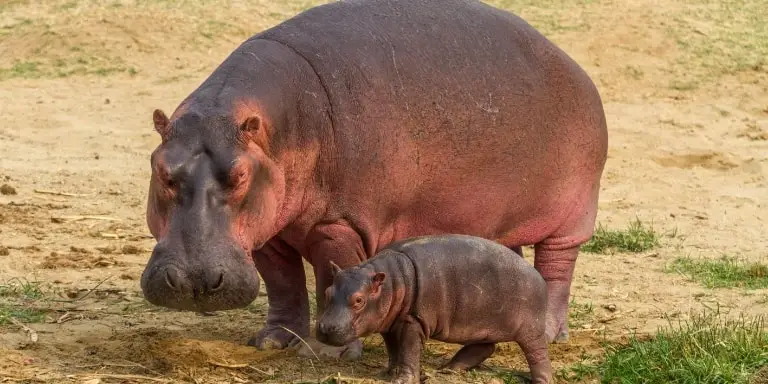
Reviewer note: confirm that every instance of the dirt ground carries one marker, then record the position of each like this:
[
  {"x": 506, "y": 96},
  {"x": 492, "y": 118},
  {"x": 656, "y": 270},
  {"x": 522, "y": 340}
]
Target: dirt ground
[{"x": 685, "y": 86}]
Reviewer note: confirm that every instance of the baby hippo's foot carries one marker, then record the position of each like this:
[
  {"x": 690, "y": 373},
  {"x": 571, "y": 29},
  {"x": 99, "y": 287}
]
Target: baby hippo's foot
[
  {"x": 350, "y": 352},
  {"x": 469, "y": 356}
]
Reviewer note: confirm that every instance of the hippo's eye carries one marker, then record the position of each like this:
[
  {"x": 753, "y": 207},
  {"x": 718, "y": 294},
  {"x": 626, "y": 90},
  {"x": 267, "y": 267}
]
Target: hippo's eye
[{"x": 358, "y": 302}]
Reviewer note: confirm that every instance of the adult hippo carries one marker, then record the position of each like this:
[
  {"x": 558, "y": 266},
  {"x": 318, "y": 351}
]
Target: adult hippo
[{"x": 358, "y": 123}]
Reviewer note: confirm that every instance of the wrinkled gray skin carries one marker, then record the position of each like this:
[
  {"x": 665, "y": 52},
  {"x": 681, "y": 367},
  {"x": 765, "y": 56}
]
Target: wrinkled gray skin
[{"x": 452, "y": 288}]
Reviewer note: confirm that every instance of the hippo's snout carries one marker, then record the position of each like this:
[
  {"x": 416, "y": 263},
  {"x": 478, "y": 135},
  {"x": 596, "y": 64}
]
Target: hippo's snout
[
  {"x": 334, "y": 332},
  {"x": 210, "y": 281},
  {"x": 197, "y": 284}
]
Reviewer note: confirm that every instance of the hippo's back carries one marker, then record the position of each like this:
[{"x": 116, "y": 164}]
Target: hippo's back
[{"x": 432, "y": 96}]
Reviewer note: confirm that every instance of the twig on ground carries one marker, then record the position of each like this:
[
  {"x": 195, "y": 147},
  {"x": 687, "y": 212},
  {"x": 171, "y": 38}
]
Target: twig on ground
[
  {"x": 124, "y": 377},
  {"x": 268, "y": 373},
  {"x": 86, "y": 294},
  {"x": 31, "y": 332},
  {"x": 305, "y": 343},
  {"x": 58, "y": 219},
  {"x": 57, "y": 193},
  {"x": 224, "y": 365},
  {"x": 302, "y": 340},
  {"x": 340, "y": 379}
]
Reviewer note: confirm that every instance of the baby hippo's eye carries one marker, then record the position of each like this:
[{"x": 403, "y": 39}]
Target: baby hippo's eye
[{"x": 358, "y": 302}]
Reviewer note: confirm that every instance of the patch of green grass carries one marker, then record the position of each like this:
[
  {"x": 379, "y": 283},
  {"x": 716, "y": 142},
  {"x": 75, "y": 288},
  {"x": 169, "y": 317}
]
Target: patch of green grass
[
  {"x": 22, "y": 69},
  {"x": 16, "y": 295},
  {"x": 704, "y": 350},
  {"x": 638, "y": 237},
  {"x": 579, "y": 313},
  {"x": 23, "y": 289},
  {"x": 720, "y": 37},
  {"x": 21, "y": 313},
  {"x": 726, "y": 272},
  {"x": 579, "y": 371},
  {"x": 64, "y": 68}
]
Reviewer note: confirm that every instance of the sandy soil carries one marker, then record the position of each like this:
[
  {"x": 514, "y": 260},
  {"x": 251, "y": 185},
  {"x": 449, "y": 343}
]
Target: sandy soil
[{"x": 79, "y": 80}]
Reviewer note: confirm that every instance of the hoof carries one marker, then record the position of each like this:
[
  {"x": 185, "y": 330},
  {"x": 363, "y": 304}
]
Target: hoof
[
  {"x": 562, "y": 338},
  {"x": 273, "y": 338}
]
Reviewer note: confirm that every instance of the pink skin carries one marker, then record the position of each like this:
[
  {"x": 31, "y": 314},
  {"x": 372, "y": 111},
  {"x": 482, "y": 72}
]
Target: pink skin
[{"x": 354, "y": 156}]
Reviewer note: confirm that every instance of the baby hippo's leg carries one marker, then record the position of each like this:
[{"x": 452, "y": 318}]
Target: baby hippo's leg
[
  {"x": 391, "y": 341},
  {"x": 470, "y": 356},
  {"x": 537, "y": 355},
  {"x": 410, "y": 344}
]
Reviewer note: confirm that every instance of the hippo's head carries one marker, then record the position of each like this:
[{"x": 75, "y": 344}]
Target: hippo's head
[
  {"x": 355, "y": 306},
  {"x": 213, "y": 199}
]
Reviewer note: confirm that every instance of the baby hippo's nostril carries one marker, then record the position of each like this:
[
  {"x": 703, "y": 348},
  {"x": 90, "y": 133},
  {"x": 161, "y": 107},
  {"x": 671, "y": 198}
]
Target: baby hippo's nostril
[
  {"x": 172, "y": 278},
  {"x": 217, "y": 282}
]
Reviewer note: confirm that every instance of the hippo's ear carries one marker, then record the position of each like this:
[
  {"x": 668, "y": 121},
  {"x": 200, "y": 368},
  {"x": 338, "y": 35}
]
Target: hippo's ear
[
  {"x": 251, "y": 125},
  {"x": 376, "y": 281},
  {"x": 335, "y": 269},
  {"x": 162, "y": 123}
]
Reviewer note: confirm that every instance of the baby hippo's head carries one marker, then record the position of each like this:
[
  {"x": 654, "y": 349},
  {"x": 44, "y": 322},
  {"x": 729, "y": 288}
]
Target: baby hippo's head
[{"x": 352, "y": 307}]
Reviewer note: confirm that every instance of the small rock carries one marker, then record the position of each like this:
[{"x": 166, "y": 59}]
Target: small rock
[
  {"x": 79, "y": 250},
  {"x": 96, "y": 156},
  {"x": 129, "y": 249},
  {"x": 126, "y": 276},
  {"x": 610, "y": 307},
  {"x": 4, "y": 251},
  {"x": 106, "y": 101},
  {"x": 107, "y": 250},
  {"x": 6, "y": 189}
]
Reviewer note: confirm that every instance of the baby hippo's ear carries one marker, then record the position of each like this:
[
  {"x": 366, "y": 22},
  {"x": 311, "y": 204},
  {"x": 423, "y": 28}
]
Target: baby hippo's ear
[
  {"x": 335, "y": 269},
  {"x": 376, "y": 281}
]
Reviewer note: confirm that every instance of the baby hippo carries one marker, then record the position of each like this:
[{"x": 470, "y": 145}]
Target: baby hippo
[{"x": 452, "y": 288}]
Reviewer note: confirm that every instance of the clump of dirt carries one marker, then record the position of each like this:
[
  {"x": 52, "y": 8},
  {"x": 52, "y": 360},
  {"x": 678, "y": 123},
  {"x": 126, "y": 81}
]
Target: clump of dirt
[
  {"x": 6, "y": 189},
  {"x": 78, "y": 258},
  {"x": 4, "y": 251},
  {"x": 167, "y": 351}
]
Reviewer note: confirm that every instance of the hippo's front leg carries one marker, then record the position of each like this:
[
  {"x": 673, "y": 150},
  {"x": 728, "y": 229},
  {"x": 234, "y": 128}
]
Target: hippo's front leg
[
  {"x": 339, "y": 243},
  {"x": 282, "y": 271},
  {"x": 411, "y": 339}
]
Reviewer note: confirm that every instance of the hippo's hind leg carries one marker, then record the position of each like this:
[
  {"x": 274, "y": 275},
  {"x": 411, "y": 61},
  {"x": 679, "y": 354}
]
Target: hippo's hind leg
[
  {"x": 470, "y": 356},
  {"x": 537, "y": 356},
  {"x": 555, "y": 259}
]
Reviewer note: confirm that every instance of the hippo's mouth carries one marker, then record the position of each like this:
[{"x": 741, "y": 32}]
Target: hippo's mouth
[{"x": 201, "y": 288}]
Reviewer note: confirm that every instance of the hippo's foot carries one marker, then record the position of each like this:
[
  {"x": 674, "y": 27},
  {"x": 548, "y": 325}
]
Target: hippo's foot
[
  {"x": 557, "y": 312},
  {"x": 350, "y": 352},
  {"x": 557, "y": 334},
  {"x": 557, "y": 324},
  {"x": 406, "y": 378},
  {"x": 469, "y": 356},
  {"x": 273, "y": 337}
]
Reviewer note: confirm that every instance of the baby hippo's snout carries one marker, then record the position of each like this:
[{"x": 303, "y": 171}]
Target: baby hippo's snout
[{"x": 333, "y": 330}]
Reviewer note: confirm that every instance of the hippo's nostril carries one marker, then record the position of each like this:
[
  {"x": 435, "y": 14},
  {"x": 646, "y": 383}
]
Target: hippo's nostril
[
  {"x": 218, "y": 283},
  {"x": 172, "y": 278}
]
